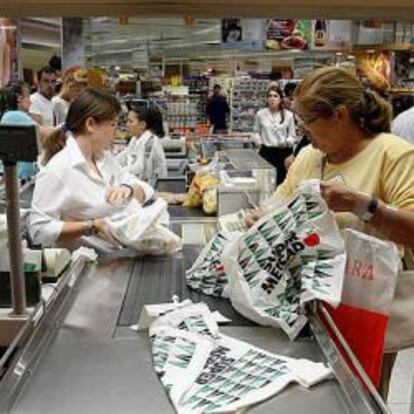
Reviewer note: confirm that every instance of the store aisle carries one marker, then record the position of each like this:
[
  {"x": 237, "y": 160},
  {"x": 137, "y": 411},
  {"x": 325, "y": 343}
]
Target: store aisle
[{"x": 401, "y": 383}]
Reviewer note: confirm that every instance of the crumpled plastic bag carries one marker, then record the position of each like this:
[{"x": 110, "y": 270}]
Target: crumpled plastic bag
[
  {"x": 145, "y": 228},
  {"x": 291, "y": 256},
  {"x": 204, "y": 371},
  {"x": 207, "y": 275}
]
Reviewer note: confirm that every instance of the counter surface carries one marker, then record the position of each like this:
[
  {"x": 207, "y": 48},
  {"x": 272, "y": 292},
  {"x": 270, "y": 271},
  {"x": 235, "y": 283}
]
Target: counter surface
[{"x": 94, "y": 365}]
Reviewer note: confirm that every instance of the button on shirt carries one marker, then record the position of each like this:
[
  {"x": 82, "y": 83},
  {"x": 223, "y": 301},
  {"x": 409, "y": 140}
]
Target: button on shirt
[
  {"x": 64, "y": 191},
  {"x": 272, "y": 131},
  {"x": 43, "y": 107}
]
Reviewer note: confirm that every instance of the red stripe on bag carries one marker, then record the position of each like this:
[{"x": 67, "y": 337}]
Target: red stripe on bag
[{"x": 364, "y": 332}]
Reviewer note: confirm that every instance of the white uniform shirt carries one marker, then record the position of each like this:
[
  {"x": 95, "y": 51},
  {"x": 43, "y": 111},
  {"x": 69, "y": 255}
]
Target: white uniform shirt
[
  {"x": 60, "y": 108},
  {"x": 144, "y": 157},
  {"x": 64, "y": 191},
  {"x": 403, "y": 125},
  {"x": 43, "y": 107},
  {"x": 272, "y": 132}
]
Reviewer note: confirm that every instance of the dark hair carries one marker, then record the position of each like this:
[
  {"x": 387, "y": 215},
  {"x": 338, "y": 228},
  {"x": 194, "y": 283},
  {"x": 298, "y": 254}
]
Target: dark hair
[
  {"x": 281, "y": 107},
  {"x": 324, "y": 89},
  {"x": 90, "y": 103},
  {"x": 152, "y": 116},
  {"x": 289, "y": 89},
  {"x": 9, "y": 96},
  {"x": 45, "y": 69}
]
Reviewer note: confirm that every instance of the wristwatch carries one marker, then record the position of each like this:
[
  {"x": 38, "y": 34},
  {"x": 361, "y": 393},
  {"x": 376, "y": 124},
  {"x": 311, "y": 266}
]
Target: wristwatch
[
  {"x": 370, "y": 210},
  {"x": 88, "y": 228}
]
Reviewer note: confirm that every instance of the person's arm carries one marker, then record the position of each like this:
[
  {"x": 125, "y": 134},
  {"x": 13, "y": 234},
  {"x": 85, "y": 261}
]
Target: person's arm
[
  {"x": 159, "y": 160},
  {"x": 76, "y": 229},
  {"x": 292, "y": 137},
  {"x": 395, "y": 224},
  {"x": 257, "y": 131}
]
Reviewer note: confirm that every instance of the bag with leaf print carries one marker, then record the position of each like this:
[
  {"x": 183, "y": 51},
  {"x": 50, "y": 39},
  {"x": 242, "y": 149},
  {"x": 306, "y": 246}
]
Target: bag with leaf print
[{"x": 292, "y": 255}]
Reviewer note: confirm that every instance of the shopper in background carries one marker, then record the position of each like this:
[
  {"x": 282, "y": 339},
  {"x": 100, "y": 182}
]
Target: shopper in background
[
  {"x": 276, "y": 132},
  {"x": 303, "y": 140},
  {"x": 83, "y": 183},
  {"x": 14, "y": 107},
  {"x": 62, "y": 101},
  {"x": 349, "y": 132},
  {"x": 41, "y": 101},
  {"x": 403, "y": 125},
  {"x": 217, "y": 110},
  {"x": 144, "y": 157}
]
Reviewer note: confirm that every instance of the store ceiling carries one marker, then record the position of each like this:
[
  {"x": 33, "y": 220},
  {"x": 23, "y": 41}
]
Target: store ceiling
[{"x": 397, "y": 9}]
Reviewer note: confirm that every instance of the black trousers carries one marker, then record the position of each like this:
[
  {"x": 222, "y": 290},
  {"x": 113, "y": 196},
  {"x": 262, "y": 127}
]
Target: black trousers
[{"x": 276, "y": 156}]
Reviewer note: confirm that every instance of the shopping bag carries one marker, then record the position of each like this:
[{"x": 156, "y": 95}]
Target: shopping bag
[
  {"x": 145, "y": 228},
  {"x": 203, "y": 371},
  {"x": 369, "y": 285},
  {"x": 293, "y": 255},
  {"x": 207, "y": 273}
]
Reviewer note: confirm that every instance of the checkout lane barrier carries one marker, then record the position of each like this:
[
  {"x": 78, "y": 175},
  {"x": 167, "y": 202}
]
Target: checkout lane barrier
[{"x": 329, "y": 337}]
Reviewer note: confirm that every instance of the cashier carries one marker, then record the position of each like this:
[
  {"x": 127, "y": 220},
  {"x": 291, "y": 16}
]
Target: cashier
[
  {"x": 276, "y": 132},
  {"x": 144, "y": 157},
  {"x": 83, "y": 183},
  {"x": 366, "y": 172}
]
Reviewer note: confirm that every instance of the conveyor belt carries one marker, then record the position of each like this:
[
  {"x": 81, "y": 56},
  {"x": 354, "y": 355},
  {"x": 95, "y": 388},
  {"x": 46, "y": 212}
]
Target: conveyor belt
[
  {"x": 157, "y": 280},
  {"x": 177, "y": 186}
]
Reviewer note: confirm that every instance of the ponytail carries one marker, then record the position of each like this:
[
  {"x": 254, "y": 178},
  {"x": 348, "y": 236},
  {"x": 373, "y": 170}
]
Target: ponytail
[
  {"x": 53, "y": 143},
  {"x": 376, "y": 113}
]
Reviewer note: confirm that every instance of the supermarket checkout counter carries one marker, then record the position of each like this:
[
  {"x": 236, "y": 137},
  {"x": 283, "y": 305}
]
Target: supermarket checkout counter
[
  {"x": 82, "y": 356},
  {"x": 86, "y": 359}
]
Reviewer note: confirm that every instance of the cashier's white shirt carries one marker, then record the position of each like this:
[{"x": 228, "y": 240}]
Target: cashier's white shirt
[
  {"x": 64, "y": 191},
  {"x": 271, "y": 131}
]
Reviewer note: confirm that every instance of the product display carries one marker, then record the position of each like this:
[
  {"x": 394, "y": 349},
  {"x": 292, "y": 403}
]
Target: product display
[
  {"x": 248, "y": 96},
  {"x": 203, "y": 371}
]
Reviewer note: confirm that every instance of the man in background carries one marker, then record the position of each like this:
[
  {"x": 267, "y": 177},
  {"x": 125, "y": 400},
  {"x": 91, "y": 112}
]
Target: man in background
[
  {"x": 403, "y": 125},
  {"x": 217, "y": 110},
  {"x": 41, "y": 101}
]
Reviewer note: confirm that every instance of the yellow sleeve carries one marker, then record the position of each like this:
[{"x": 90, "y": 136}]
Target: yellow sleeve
[{"x": 398, "y": 180}]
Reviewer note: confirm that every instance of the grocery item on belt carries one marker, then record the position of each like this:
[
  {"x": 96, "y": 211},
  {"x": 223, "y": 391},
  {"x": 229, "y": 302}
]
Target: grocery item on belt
[
  {"x": 200, "y": 184},
  {"x": 203, "y": 371}
]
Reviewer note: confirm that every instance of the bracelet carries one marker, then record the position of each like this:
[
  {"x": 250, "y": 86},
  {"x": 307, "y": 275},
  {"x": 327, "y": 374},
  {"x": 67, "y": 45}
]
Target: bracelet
[
  {"x": 88, "y": 228},
  {"x": 131, "y": 189}
]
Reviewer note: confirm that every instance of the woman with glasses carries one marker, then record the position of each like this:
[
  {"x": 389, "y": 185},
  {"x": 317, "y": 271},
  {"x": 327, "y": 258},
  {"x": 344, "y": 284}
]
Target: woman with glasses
[
  {"x": 366, "y": 172},
  {"x": 276, "y": 132}
]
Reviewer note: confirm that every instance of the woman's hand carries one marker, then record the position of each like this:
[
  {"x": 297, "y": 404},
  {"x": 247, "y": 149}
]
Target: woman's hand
[
  {"x": 101, "y": 228},
  {"x": 252, "y": 216},
  {"x": 341, "y": 197},
  {"x": 118, "y": 194}
]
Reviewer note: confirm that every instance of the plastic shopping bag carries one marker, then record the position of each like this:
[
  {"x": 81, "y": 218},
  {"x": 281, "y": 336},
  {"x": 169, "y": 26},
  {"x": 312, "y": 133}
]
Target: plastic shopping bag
[
  {"x": 207, "y": 273},
  {"x": 293, "y": 255},
  {"x": 145, "y": 228},
  {"x": 369, "y": 285},
  {"x": 203, "y": 371}
]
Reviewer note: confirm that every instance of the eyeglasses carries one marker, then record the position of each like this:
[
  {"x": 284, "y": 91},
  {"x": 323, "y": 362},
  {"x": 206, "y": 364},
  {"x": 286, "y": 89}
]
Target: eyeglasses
[{"x": 306, "y": 122}]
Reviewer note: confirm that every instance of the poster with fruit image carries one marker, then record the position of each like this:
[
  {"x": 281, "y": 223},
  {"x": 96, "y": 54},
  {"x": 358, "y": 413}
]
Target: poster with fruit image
[{"x": 284, "y": 34}]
